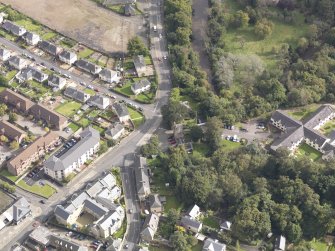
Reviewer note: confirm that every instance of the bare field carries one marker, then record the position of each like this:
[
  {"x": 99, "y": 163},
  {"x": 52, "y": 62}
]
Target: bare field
[{"x": 83, "y": 21}]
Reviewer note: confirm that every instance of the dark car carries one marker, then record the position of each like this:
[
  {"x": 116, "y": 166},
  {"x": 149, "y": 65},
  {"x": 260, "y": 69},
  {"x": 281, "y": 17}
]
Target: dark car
[{"x": 42, "y": 201}]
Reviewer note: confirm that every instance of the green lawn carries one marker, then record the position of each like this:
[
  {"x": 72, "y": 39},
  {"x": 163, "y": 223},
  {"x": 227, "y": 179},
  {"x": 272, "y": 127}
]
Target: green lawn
[
  {"x": 319, "y": 245},
  {"x": 2, "y": 88},
  {"x": 98, "y": 128},
  {"x": 120, "y": 233},
  {"x": 84, "y": 122},
  {"x": 147, "y": 60},
  {"x": 68, "y": 108},
  {"x": 303, "y": 112},
  {"x": 136, "y": 117},
  {"x": 74, "y": 127},
  {"x": 8, "y": 175},
  {"x": 230, "y": 145},
  {"x": 45, "y": 191},
  {"x": 118, "y": 8},
  {"x": 89, "y": 91},
  {"x": 125, "y": 89},
  {"x": 147, "y": 97},
  {"x": 308, "y": 151},
  {"x": 211, "y": 221},
  {"x": 29, "y": 25},
  {"x": 11, "y": 74},
  {"x": 49, "y": 35},
  {"x": 85, "y": 53},
  {"x": 288, "y": 33},
  {"x": 200, "y": 148},
  {"x": 94, "y": 113}
]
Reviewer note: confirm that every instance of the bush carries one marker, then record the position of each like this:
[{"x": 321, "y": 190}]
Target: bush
[{"x": 263, "y": 28}]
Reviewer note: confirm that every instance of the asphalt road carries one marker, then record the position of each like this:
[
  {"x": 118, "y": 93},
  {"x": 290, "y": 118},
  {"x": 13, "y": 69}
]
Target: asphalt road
[{"x": 123, "y": 155}]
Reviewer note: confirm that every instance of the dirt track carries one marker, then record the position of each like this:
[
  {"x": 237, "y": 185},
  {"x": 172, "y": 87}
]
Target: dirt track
[{"x": 83, "y": 21}]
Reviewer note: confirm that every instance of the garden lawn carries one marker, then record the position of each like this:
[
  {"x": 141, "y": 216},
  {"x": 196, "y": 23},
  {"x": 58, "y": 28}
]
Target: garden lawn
[
  {"x": 8, "y": 175},
  {"x": 282, "y": 33},
  {"x": 303, "y": 112},
  {"x": 200, "y": 148},
  {"x": 211, "y": 221},
  {"x": 89, "y": 91},
  {"x": 2, "y": 88},
  {"x": 85, "y": 53},
  {"x": 319, "y": 246},
  {"x": 230, "y": 145},
  {"x": 84, "y": 122},
  {"x": 147, "y": 97},
  {"x": 29, "y": 25},
  {"x": 147, "y": 60},
  {"x": 125, "y": 89},
  {"x": 98, "y": 128},
  {"x": 120, "y": 233},
  {"x": 74, "y": 127},
  {"x": 69, "y": 108},
  {"x": 136, "y": 117},
  {"x": 45, "y": 191},
  {"x": 11, "y": 74},
  {"x": 49, "y": 35},
  {"x": 308, "y": 151}
]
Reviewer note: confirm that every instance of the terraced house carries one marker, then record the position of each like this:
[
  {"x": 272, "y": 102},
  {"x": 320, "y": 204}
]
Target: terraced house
[
  {"x": 11, "y": 131},
  {"x": 16, "y": 101},
  {"x": 50, "y": 48},
  {"x": 13, "y": 28},
  {"x": 88, "y": 66},
  {"x": 294, "y": 132}
]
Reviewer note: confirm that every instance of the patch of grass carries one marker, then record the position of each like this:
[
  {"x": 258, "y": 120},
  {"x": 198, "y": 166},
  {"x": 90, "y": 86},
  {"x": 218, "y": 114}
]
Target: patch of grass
[
  {"x": 230, "y": 145},
  {"x": 85, "y": 53},
  {"x": 45, "y": 191},
  {"x": 68, "y": 108},
  {"x": 94, "y": 113},
  {"x": 29, "y": 25},
  {"x": 74, "y": 127},
  {"x": 11, "y": 74},
  {"x": 145, "y": 97},
  {"x": 328, "y": 127},
  {"x": 2, "y": 88},
  {"x": 136, "y": 117},
  {"x": 303, "y": 112},
  {"x": 197, "y": 247},
  {"x": 89, "y": 91},
  {"x": 318, "y": 245},
  {"x": 308, "y": 151},
  {"x": 118, "y": 8},
  {"x": 8, "y": 175},
  {"x": 160, "y": 248},
  {"x": 98, "y": 128},
  {"x": 211, "y": 221},
  {"x": 147, "y": 60},
  {"x": 125, "y": 89},
  {"x": 49, "y": 35},
  {"x": 68, "y": 43},
  {"x": 200, "y": 148},
  {"x": 84, "y": 122}
]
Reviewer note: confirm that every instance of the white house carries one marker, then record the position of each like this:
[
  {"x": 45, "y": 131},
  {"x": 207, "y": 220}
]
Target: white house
[
  {"x": 213, "y": 245},
  {"x": 68, "y": 57},
  {"x": 191, "y": 224},
  {"x": 194, "y": 212},
  {"x": 100, "y": 101},
  {"x": 4, "y": 54},
  {"x": 121, "y": 111},
  {"x": 17, "y": 62},
  {"x": 109, "y": 76},
  {"x": 60, "y": 165},
  {"x": 56, "y": 82},
  {"x": 31, "y": 38},
  {"x": 141, "y": 86},
  {"x": 115, "y": 132}
]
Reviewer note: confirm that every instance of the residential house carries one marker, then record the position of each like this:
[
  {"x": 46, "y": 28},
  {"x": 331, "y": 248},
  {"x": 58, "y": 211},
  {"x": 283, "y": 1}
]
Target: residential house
[
  {"x": 11, "y": 131},
  {"x": 191, "y": 224},
  {"x": 109, "y": 76},
  {"x": 155, "y": 204},
  {"x": 142, "y": 178},
  {"x": 4, "y": 54},
  {"x": 15, "y": 100},
  {"x": 115, "y": 131},
  {"x": 108, "y": 217},
  {"x": 121, "y": 111},
  {"x": 294, "y": 132},
  {"x": 100, "y": 101},
  {"x": 76, "y": 94},
  {"x": 213, "y": 245},
  {"x": 13, "y": 28},
  {"x": 68, "y": 57},
  {"x": 53, "y": 119},
  {"x": 60, "y": 165},
  {"x": 194, "y": 212},
  {"x": 30, "y": 73},
  {"x": 149, "y": 228},
  {"x": 18, "y": 62},
  {"x": 88, "y": 66},
  {"x": 280, "y": 244},
  {"x": 140, "y": 86},
  {"x": 16, "y": 213},
  {"x": 129, "y": 10},
  {"x": 31, "y": 38},
  {"x": 35, "y": 151},
  {"x": 226, "y": 225},
  {"x": 50, "y": 48},
  {"x": 140, "y": 65},
  {"x": 56, "y": 82}
]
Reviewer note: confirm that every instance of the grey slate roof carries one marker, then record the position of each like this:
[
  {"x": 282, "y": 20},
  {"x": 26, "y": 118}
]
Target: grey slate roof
[
  {"x": 129, "y": 10},
  {"x": 320, "y": 114},
  {"x": 144, "y": 82},
  {"x": 115, "y": 129},
  {"x": 315, "y": 136},
  {"x": 69, "y": 55},
  {"x": 12, "y": 27},
  {"x": 107, "y": 73},
  {"x": 89, "y": 138},
  {"x": 16, "y": 60},
  {"x": 150, "y": 226},
  {"x": 30, "y": 36},
  {"x": 154, "y": 201},
  {"x": 61, "y": 212},
  {"x": 187, "y": 221},
  {"x": 56, "y": 80},
  {"x": 213, "y": 245},
  {"x": 99, "y": 100},
  {"x": 285, "y": 119},
  {"x": 87, "y": 66},
  {"x": 76, "y": 94},
  {"x": 139, "y": 61},
  {"x": 120, "y": 109},
  {"x": 49, "y": 47},
  {"x": 20, "y": 209},
  {"x": 31, "y": 72},
  {"x": 288, "y": 138},
  {"x": 142, "y": 176},
  {"x": 95, "y": 207}
]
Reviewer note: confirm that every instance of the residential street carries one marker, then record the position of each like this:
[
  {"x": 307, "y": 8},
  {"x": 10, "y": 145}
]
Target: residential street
[{"x": 121, "y": 155}]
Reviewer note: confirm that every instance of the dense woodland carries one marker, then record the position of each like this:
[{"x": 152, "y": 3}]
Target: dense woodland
[{"x": 258, "y": 191}]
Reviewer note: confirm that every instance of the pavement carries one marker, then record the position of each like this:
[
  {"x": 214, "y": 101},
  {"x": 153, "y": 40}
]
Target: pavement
[{"x": 123, "y": 155}]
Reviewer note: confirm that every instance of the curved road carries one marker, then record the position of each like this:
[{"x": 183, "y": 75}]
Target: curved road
[{"x": 122, "y": 155}]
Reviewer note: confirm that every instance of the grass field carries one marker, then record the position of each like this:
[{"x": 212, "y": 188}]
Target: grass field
[
  {"x": 125, "y": 89},
  {"x": 308, "y": 151},
  {"x": 136, "y": 116},
  {"x": 69, "y": 108},
  {"x": 29, "y": 25},
  {"x": 5, "y": 201},
  {"x": 8, "y": 175},
  {"x": 319, "y": 245},
  {"x": 230, "y": 145},
  {"x": 283, "y": 33},
  {"x": 85, "y": 53},
  {"x": 45, "y": 191}
]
